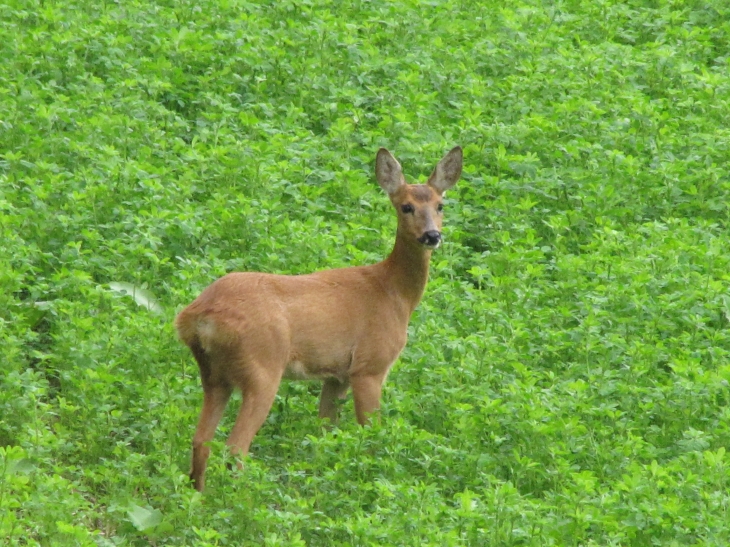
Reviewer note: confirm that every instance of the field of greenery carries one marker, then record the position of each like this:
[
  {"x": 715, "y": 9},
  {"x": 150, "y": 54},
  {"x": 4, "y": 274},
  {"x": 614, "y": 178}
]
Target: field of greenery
[{"x": 566, "y": 376}]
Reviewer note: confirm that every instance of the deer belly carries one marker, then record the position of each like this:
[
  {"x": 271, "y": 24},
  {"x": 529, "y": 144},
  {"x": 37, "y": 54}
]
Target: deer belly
[{"x": 298, "y": 369}]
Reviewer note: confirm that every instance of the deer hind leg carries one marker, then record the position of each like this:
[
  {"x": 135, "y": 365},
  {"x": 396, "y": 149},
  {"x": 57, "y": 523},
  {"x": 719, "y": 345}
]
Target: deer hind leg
[
  {"x": 215, "y": 398},
  {"x": 366, "y": 391},
  {"x": 332, "y": 389},
  {"x": 216, "y": 392},
  {"x": 259, "y": 389}
]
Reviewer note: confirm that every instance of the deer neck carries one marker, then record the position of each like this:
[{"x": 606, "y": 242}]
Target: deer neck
[{"x": 407, "y": 270}]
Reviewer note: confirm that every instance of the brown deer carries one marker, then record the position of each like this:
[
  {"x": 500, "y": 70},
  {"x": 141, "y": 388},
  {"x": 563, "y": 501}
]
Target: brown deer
[{"x": 345, "y": 327}]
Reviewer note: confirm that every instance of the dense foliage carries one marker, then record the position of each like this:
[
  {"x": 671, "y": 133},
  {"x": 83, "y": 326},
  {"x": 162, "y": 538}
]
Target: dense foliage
[{"x": 566, "y": 377}]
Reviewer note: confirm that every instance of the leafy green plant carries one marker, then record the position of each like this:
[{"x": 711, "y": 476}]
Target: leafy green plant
[{"x": 565, "y": 381}]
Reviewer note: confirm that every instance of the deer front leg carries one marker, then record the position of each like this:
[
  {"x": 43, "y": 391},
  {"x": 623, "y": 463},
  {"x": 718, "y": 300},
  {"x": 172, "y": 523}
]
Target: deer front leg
[
  {"x": 332, "y": 389},
  {"x": 366, "y": 391}
]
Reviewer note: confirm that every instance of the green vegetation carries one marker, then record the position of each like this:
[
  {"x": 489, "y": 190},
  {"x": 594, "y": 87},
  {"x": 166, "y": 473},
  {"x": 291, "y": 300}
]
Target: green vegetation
[{"x": 566, "y": 378}]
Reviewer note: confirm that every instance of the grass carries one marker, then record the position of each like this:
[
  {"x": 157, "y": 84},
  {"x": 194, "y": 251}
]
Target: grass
[{"x": 566, "y": 377}]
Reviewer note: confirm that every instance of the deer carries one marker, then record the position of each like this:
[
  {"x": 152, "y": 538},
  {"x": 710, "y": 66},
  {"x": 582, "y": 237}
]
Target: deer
[{"x": 345, "y": 326}]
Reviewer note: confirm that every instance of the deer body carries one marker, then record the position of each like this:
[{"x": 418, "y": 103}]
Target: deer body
[{"x": 345, "y": 326}]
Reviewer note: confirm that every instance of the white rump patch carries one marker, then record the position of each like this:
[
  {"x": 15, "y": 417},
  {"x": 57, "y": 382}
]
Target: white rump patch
[{"x": 206, "y": 333}]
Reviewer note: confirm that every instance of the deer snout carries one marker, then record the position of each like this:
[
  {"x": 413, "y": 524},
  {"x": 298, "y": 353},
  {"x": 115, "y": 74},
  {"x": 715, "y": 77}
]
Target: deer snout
[{"x": 432, "y": 238}]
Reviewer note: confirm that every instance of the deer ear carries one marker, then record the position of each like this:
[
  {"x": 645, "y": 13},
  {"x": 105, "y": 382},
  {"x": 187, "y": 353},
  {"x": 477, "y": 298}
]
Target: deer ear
[
  {"x": 447, "y": 172},
  {"x": 388, "y": 172}
]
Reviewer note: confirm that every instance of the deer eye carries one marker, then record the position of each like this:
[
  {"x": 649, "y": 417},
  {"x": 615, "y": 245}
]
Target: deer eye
[
  {"x": 440, "y": 207},
  {"x": 407, "y": 208}
]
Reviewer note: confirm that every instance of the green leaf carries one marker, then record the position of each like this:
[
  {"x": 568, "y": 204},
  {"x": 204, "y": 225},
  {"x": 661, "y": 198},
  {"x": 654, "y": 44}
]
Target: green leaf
[
  {"x": 144, "y": 519},
  {"x": 142, "y": 297}
]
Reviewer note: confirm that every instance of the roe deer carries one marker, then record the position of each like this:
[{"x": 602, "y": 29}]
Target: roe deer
[{"x": 345, "y": 327}]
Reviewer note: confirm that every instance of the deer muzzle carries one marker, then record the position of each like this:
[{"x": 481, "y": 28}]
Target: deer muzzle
[{"x": 432, "y": 238}]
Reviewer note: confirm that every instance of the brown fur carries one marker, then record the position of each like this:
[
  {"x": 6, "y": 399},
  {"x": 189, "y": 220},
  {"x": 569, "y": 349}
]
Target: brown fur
[{"x": 345, "y": 327}]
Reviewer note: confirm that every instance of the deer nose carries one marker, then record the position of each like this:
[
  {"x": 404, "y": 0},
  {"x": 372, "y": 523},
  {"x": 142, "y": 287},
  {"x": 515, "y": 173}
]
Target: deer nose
[{"x": 432, "y": 238}]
